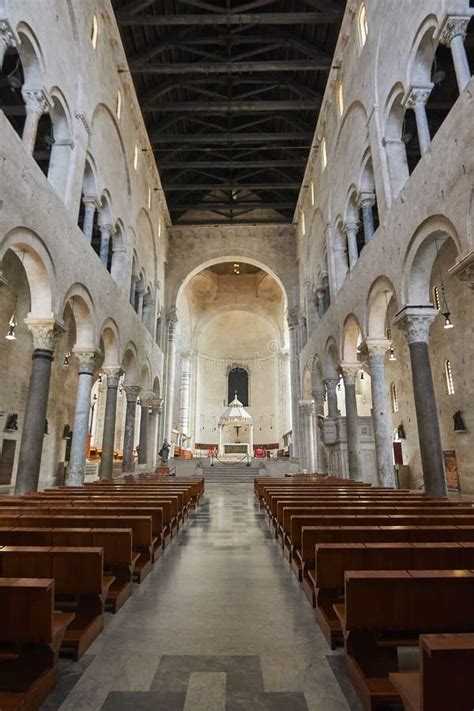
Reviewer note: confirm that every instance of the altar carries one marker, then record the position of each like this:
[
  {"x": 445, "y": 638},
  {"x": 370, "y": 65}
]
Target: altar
[{"x": 235, "y": 431}]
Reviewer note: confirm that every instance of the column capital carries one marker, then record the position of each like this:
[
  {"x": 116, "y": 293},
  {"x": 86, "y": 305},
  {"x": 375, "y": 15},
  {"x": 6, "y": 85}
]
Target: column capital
[
  {"x": 132, "y": 392},
  {"x": 463, "y": 269},
  {"x": 91, "y": 201},
  {"x": 351, "y": 226},
  {"x": 172, "y": 317},
  {"x": 36, "y": 100},
  {"x": 46, "y": 333},
  {"x": 454, "y": 26},
  {"x": 89, "y": 359},
  {"x": 350, "y": 372},
  {"x": 306, "y": 407},
  {"x": 366, "y": 198},
  {"x": 331, "y": 382},
  {"x": 156, "y": 406},
  {"x": 418, "y": 95},
  {"x": 318, "y": 393},
  {"x": 113, "y": 373},
  {"x": 8, "y": 36},
  {"x": 415, "y": 322},
  {"x": 186, "y": 355},
  {"x": 372, "y": 351},
  {"x": 106, "y": 229}
]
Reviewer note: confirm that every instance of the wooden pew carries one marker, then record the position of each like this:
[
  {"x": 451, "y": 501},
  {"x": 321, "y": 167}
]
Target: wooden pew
[
  {"x": 142, "y": 538},
  {"x": 30, "y": 637},
  {"x": 305, "y": 559},
  {"x": 324, "y": 586},
  {"x": 80, "y": 586},
  {"x": 445, "y": 680},
  {"x": 119, "y": 558},
  {"x": 385, "y": 610}
]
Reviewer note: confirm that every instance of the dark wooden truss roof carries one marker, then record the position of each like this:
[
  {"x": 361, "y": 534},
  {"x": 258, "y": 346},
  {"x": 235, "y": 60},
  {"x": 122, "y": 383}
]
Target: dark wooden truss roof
[{"x": 230, "y": 92}]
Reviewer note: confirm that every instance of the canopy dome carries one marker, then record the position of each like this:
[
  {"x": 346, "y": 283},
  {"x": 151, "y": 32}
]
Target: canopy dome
[{"x": 235, "y": 412}]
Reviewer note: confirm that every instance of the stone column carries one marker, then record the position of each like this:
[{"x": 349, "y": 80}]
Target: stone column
[
  {"x": 373, "y": 352},
  {"x": 307, "y": 439},
  {"x": 90, "y": 207},
  {"x": 88, "y": 361},
  {"x": 45, "y": 334},
  {"x": 133, "y": 290},
  {"x": 350, "y": 228},
  {"x": 7, "y": 39},
  {"x": 367, "y": 202},
  {"x": 106, "y": 232},
  {"x": 292, "y": 317},
  {"x": 417, "y": 98},
  {"x": 36, "y": 105},
  {"x": 331, "y": 384},
  {"x": 141, "y": 295},
  {"x": 145, "y": 399},
  {"x": 184, "y": 391},
  {"x": 350, "y": 371},
  {"x": 171, "y": 322},
  {"x": 453, "y": 36},
  {"x": 415, "y": 322},
  {"x": 131, "y": 392},
  {"x": 154, "y": 444},
  {"x": 321, "y": 458},
  {"x": 113, "y": 374},
  {"x": 322, "y": 297}
]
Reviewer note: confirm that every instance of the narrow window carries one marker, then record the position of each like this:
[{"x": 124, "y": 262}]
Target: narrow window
[
  {"x": 149, "y": 198},
  {"x": 340, "y": 98},
  {"x": 118, "y": 104},
  {"x": 448, "y": 378},
  {"x": 363, "y": 25},
  {"x": 135, "y": 157},
  {"x": 436, "y": 301},
  {"x": 311, "y": 190},
  {"x": 324, "y": 156},
  {"x": 159, "y": 230},
  {"x": 95, "y": 31},
  {"x": 394, "y": 394},
  {"x": 303, "y": 224}
]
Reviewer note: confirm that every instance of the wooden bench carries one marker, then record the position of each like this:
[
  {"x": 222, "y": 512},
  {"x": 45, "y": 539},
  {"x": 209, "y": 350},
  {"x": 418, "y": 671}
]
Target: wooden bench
[
  {"x": 445, "y": 680},
  {"x": 30, "y": 637},
  {"x": 80, "y": 586},
  {"x": 305, "y": 558},
  {"x": 324, "y": 585},
  {"x": 142, "y": 537},
  {"x": 387, "y": 609},
  {"x": 119, "y": 558}
]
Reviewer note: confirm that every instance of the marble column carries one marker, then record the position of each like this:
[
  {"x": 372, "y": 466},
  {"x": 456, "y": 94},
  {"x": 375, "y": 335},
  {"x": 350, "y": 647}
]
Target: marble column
[
  {"x": 417, "y": 98},
  {"x": 185, "y": 391},
  {"x": 45, "y": 334},
  {"x": 453, "y": 36},
  {"x": 307, "y": 432},
  {"x": 373, "y": 352},
  {"x": 88, "y": 360},
  {"x": 321, "y": 455},
  {"x": 350, "y": 228},
  {"x": 90, "y": 207},
  {"x": 367, "y": 202},
  {"x": 106, "y": 232},
  {"x": 415, "y": 322},
  {"x": 36, "y": 103},
  {"x": 113, "y": 374},
  {"x": 7, "y": 39},
  {"x": 350, "y": 372},
  {"x": 143, "y": 438},
  {"x": 171, "y": 322},
  {"x": 293, "y": 319},
  {"x": 131, "y": 392}
]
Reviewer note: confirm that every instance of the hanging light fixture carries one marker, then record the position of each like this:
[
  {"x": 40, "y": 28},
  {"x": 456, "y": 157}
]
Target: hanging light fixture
[
  {"x": 392, "y": 357},
  {"x": 100, "y": 379},
  {"x": 11, "y": 329},
  {"x": 362, "y": 375},
  {"x": 67, "y": 358},
  {"x": 446, "y": 312}
]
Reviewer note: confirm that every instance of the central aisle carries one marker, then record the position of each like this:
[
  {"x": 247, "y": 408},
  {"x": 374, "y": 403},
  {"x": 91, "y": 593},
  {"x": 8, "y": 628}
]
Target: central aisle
[{"x": 220, "y": 625}]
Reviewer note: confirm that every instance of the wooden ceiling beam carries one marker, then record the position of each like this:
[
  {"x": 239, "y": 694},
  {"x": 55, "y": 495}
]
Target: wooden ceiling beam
[{"x": 264, "y": 18}]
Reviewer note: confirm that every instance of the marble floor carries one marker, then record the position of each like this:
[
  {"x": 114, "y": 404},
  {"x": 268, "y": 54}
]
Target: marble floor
[{"x": 221, "y": 624}]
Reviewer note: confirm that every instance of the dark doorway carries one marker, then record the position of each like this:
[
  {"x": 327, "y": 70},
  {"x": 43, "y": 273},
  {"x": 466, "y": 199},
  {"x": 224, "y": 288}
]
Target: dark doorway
[{"x": 238, "y": 382}]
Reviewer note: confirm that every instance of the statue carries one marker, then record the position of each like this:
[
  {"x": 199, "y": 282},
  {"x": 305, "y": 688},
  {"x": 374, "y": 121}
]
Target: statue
[
  {"x": 164, "y": 453},
  {"x": 459, "y": 425}
]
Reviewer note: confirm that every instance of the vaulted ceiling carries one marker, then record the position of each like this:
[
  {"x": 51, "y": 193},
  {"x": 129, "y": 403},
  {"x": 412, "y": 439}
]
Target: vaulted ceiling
[{"x": 230, "y": 91}]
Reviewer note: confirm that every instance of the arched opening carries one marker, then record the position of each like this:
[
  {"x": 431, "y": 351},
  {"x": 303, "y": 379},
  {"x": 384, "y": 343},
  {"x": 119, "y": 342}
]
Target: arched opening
[
  {"x": 60, "y": 147},
  {"x": 397, "y": 137},
  {"x": 238, "y": 385}
]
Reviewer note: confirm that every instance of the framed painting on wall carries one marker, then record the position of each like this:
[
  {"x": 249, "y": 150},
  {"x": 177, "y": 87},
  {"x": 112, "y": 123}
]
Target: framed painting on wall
[{"x": 451, "y": 469}]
